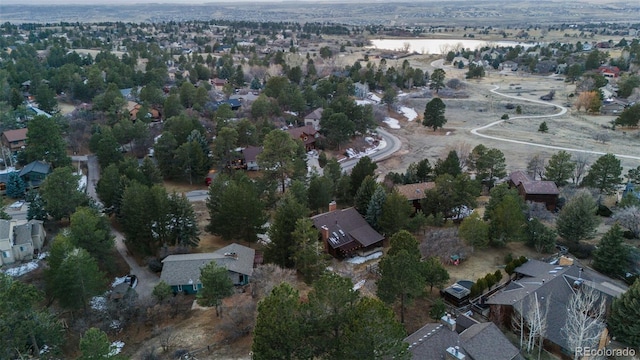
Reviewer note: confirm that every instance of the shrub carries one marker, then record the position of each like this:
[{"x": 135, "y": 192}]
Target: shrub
[
  {"x": 581, "y": 251},
  {"x": 604, "y": 211},
  {"x": 322, "y": 159},
  {"x": 490, "y": 279},
  {"x": 508, "y": 258},
  {"x": 505, "y": 117},
  {"x": 498, "y": 276},
  {"x": 154, "y": 264}
]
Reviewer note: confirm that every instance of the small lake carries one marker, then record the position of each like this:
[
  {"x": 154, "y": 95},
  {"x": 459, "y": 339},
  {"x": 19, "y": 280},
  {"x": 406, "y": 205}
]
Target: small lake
[{"x": 439, "y": 46}]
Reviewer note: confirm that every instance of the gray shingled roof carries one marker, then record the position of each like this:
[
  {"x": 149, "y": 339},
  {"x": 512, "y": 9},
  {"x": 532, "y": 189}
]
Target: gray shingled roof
[
  {"x": 486, "y": 341},
  {"x": 23, "y": 234},
  {"x": 348, "y": 228},
  {"x": 5, "y": 228},
  {"x": 431, "y": 341},
  {"x": 554, "y": 284},
  {"x": 479, "y": 342},
  {"x": 185, "y": 269}
]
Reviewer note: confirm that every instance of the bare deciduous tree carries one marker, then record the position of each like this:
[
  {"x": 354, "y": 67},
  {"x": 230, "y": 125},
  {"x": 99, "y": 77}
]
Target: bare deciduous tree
[
  {"x": 535, "y": 167},
  {"x": 463, "y": 150},
  {"x": 266, "y": 277},
  {"x": 167, "y": 337},
  {"x": 585, "y": 319},
  {"x": 536, "y": 318},
  {"x": 582, "y": 162},
  {"x": 629, "y": 218},
  {"x": 240, "y": 321}
]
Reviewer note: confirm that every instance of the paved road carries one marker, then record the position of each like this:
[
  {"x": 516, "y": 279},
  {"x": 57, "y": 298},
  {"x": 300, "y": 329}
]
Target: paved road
[
  {"x": 563, "y": 110},
  {"x": 393, "y": 145},
  {"x": 147, "y": 280}
]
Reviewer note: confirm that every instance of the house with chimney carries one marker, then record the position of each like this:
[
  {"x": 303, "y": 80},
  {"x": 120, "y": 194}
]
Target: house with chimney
[
  {"x": 461, "y": 338},
  {"x": 182, "y": 272},
  {"x": 554, "y": 284},
  {"x": 535, "y": 190},
  {"x": 345, "y": 233}
]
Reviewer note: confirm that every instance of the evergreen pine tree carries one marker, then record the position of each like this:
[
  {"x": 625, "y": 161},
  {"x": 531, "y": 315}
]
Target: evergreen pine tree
[
  {"x": 611, "y": 256},
  {"x": 543, "y": 128},
  {"x": 15, "y": 186},
  {"x": 624, "y": 321},
  {"x": 374, "y": 210}
]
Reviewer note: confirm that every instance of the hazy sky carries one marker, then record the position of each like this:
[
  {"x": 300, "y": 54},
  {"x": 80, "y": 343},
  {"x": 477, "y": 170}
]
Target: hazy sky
[{"x": 122, "y": 2}]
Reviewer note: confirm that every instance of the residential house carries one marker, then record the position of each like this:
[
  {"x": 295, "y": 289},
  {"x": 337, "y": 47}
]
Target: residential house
[
  {"x": 313, "y": 119},
  {"x": 250, "y": 157},
  {"x": 554, "y": 284},
  {"x": 182, "y": 272},
  {"x": 153, "y": 114},
  {"x": 15, "y": 140},
  {"x": 535, "y": 190},
  {"x": 34, "y": 173},
  {"x": 346, "y": 233},
  {"x": 509, "y": 65},
  {"x": 613, "y": 107},
  {"x": 609, "y": 71},
  {"x": 415, "y": 192},
  {"x": 461, "y": 338},
  {"x": 218, "y": 84},
  {"x": 20, "y": 240},
  {"x": 307, "y": 134},
  {"x": 630, "y": 190}
]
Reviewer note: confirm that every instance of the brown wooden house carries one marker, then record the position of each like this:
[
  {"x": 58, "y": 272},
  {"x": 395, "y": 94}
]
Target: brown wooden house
[
  {"x": 15, "y": 140},
  {"x": 346, "y": 233},
  {"x": 535, "y": 190},
  {"x": 415, "y": 192},
  {"x": 307, "y": 134}
]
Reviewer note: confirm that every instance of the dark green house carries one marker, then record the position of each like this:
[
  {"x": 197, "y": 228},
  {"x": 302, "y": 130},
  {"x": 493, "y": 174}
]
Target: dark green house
[
  {"x": 182, "y": 272},
  {"x": 34, "y": 173}
]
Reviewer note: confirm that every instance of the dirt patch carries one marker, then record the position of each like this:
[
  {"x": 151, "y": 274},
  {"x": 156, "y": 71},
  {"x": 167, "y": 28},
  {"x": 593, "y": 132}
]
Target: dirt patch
[
  {"x": 181, "y": 187},
  {"x": 572, "y": 130}
]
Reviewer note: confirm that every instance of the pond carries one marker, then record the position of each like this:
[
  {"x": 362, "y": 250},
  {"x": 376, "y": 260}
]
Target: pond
[{"x": 439, "y": 46}]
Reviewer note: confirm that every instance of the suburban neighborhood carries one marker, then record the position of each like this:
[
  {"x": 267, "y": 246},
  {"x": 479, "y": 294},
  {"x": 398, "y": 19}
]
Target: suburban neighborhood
[{"x": 412, "y": 187}]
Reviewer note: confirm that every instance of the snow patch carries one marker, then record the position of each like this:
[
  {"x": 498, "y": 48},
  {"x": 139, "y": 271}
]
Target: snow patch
[
  {"x": 363, "y": 259},
  {"x": 99, "y": 303},
  {"x": 364, "y": 102},
  {"x": 393, "y": 123},
  {"x": 22, "y": 269},
  {"x": 115, "y": 348},
  {"x": 409, "y": 113}
]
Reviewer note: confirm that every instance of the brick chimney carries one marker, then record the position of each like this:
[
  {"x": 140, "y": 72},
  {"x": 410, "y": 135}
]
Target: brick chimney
[
  {"x": 332, "y": 206},
  {"x": 324, "y": 231}
]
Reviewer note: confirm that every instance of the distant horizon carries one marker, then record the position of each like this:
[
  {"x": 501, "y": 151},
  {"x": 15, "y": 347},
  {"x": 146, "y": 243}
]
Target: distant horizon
[{"x": 202, "y": 2}]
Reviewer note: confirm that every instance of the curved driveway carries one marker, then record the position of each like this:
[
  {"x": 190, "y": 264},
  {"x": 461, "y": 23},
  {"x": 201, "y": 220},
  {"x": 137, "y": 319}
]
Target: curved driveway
[
  {"x": 563, "y": 110},
  {"x": 393, "y": 145}
]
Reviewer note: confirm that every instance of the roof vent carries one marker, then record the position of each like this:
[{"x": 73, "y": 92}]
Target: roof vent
[
  {"x": 577, "y": 284},
  {"x": 231, "y": 255}
]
